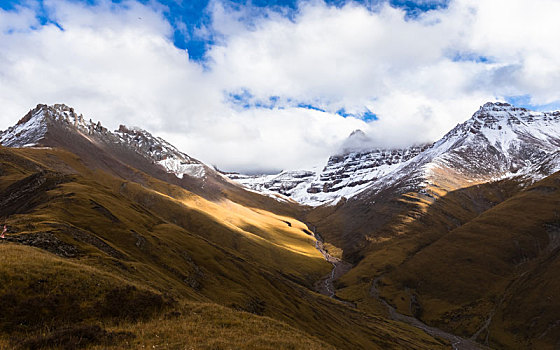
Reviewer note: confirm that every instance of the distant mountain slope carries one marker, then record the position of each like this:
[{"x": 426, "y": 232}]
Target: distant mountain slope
[
  {"x": 128, "y": 153},
  {"x": 344, "y": 176},
  {"x": 499, "y": 141},
  {"x": 463, "y": 235}
]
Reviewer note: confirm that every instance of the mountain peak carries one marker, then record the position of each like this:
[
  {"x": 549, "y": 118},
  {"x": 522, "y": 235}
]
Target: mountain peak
[
  {"x": 357, "y": 133},
  {"x": 47, "y": 125},
  {"x": 55, "y": 112},
  {"x": 503, "y": 116},
  {"x": 32, "y": 128},
  {"x": 496, "y": 105},
  {"x": 357, "y": 141},
  {"x": 495, "y": 111}
]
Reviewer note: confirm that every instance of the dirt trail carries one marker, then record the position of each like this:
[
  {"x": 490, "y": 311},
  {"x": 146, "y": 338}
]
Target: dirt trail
[{"x": 457, "y": 342}]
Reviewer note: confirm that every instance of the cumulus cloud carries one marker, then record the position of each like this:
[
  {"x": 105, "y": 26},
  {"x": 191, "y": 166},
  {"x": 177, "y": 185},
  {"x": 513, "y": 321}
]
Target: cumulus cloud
[{"x": 270, "y": 94}]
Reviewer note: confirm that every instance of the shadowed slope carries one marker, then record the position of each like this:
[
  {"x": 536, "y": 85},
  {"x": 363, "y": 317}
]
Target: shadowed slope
[
  {"x": 84, "y": 306},
  {"x": 494, "y": 276},
  {"x": 480, "y": 262}
]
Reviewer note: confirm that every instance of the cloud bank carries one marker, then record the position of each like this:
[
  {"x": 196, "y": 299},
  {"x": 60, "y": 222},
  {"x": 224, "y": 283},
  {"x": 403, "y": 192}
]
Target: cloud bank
[{"x": 275, "y": 91}]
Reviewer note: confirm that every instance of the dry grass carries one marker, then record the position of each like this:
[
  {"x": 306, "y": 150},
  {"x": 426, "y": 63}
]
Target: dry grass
[
  {"x": 495, "y": 263},
  {"x": 209, "y": 326},
  {"x": 481, "y": 250},
  {"x": 167, "y": 242},
  {"x": 28, "y": 273}
]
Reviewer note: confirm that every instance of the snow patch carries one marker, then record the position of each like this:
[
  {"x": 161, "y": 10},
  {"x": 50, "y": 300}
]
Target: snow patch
[{"x": 179, "y": 168}]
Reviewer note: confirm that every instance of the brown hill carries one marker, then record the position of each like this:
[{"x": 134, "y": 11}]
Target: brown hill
[
  {"x": 480, "y": 261},
  {"x": 494, "y": 277}
]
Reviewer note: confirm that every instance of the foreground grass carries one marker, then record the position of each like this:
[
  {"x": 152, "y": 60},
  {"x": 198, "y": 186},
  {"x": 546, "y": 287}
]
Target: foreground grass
[
  {"x": 209, "y": 326},
  {"x": 56, "y": 303}
]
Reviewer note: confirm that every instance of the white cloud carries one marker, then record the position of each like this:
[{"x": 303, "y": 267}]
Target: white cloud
[
  {"x": 117, "y": 63},
  {"x": 22, "y": 21}
]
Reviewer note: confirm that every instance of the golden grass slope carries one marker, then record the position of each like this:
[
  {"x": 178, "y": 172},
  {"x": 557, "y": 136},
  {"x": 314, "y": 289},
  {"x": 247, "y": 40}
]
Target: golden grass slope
[{"x": 502, "y": 265}]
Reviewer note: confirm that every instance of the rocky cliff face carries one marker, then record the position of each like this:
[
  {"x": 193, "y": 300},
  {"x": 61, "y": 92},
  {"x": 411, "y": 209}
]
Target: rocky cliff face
[
  {"x": 161, "y": 151},
  {"x": 345, "y": 175}
]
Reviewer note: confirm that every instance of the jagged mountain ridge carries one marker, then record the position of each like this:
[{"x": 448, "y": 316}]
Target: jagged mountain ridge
[
  {"x": 345, "y": 175},
  {"x": 498, "y": 141},
  {"x": 32, "y": 129},
  {"x": 130, "y": 153},
  {"x": 164, "y": 153}
]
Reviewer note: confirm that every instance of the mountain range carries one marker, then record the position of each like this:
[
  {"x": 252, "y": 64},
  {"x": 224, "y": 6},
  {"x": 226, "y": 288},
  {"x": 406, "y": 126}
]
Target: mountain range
[
  {"x": 499, "y": 141},
  {"x": 118, "y": 239}
]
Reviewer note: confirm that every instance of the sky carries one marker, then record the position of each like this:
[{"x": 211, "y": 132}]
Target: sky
[{"x": 259, "y": 86}]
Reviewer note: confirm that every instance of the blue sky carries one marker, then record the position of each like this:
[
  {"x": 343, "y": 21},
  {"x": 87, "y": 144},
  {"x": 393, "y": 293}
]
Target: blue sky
[
  {"x": 187, "y": 16},
  {"x": 195, "y": 14},
  {"x": 278, "y": 84}
]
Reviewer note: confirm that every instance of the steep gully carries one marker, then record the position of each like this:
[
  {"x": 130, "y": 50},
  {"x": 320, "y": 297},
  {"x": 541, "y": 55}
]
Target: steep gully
[{"x": 325, "y": 286}]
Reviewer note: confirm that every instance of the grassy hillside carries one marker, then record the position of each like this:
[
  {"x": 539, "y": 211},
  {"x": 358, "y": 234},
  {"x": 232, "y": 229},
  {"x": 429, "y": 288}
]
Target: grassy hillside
[
  {"x": 500, "y": 267},
  {"x": 155, "y": 240},
  {"x": 66, "y": 304},
  {"x": 480, "y": 262}
]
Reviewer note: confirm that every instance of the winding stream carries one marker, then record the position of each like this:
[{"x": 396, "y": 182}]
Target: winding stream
[
  {"x": 457, "y": 342},
  {"x": 325, "y": 286}
]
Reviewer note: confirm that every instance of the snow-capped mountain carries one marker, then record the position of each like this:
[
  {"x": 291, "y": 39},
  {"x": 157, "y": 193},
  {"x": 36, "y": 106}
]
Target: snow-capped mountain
[
  {"x": 497, "y": 142},
  {"x": 345, "y": 175},
  {"x": 33, "y": 128},
  {"x": 287, "y": 183}
]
